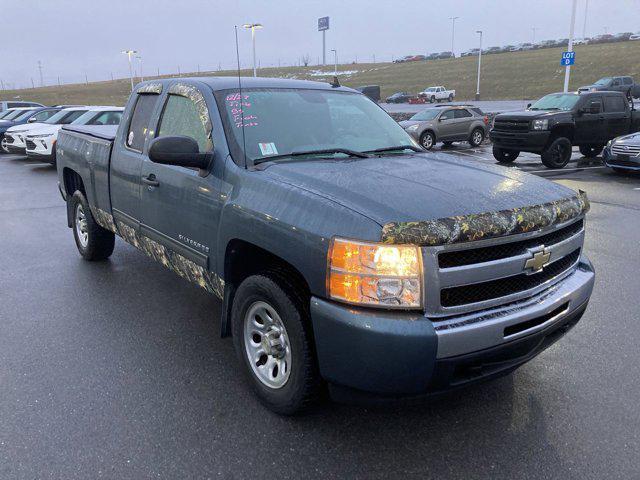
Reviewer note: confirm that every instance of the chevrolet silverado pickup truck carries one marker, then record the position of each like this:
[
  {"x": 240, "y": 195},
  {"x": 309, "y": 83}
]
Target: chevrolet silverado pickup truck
[
  {"x": 557, "y": 122},
  {"x": 344, "y": 255}
]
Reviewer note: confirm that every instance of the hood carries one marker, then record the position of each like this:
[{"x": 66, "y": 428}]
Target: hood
[
  {"x": 631, "y": 139},
  {"x": 417, "y": 187},
  {"x": 45, "y": 130},
  {"x": 528, "y": 114},
  {"x": 26, "y": 127}
]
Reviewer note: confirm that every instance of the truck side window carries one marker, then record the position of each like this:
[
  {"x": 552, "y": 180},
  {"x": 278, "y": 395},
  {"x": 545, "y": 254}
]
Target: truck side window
[
  {"x": 614, "y": 104},
  {"x": 180, "y": 117},
  {"x": 627, "y": 80},
  {"x": 140, "y": 119}
]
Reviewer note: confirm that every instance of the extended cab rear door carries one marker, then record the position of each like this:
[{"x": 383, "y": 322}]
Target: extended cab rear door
[
  {"x": 617, "y": 115},
  {"x": 126, "y": 160},
  {"x": 180, "y": 206}
]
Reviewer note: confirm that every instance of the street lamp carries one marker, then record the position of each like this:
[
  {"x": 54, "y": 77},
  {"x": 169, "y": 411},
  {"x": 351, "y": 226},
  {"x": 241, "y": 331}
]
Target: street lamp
[
  {"x": 253, "y": 27},
  {"x": 128, "y": 53},
  {"x": 534, "y": 34},
  {"x": 140, "y": 67},
  {"x": 479, "y": 64},
  {"x": 335, "y": 61},
  {"x": 453, "y": 31}
]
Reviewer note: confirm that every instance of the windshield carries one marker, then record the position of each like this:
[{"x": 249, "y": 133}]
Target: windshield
[
  {"x": 556, "y": 101},
  {"x": 430, "y": 89},
  {"x": 99, "y": 117},
  {"x": 64, "y": 117},
  {"x": 428, "y": 114},
  {"x": 603, "y": 81},
  {"x": 285, "y": 121},
  {"x": 13, "y": 115},
  {"x": 25, "y": 114},
  {"x": 5, "y": 113}
]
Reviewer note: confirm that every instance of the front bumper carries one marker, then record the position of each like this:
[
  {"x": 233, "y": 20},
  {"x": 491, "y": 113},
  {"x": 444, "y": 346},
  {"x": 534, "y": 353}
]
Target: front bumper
[
  {"x": 627, "y": 162},
  {"x": 387, "y": 354},
  {"x": 529, "y": 141},
  {"x": 14, "y": 149},
  {"x": 41, "y": 149}
]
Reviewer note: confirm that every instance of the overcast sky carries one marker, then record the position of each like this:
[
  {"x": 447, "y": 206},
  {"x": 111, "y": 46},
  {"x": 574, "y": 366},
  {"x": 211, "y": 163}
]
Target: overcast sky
[{"x": 77, "y": 37}]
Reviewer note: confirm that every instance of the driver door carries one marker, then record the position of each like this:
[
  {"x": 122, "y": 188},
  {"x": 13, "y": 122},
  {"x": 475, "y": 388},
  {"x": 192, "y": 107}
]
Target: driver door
[{"x": 180, "y": 206}]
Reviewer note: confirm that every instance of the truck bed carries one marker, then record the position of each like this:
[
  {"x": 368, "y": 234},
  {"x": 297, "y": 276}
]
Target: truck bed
[{"x": 87, "y": 150}]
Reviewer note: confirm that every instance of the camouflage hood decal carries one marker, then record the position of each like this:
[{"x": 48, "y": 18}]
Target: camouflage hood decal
[{"x": 481, "y": 226}]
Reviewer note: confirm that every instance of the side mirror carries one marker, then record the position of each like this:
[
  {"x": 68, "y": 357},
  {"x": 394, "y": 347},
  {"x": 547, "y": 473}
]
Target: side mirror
[
  {"x": 179, "y": 150},
  {"x": 528, "y": 105},
  {"x": 32, "y": 120}
]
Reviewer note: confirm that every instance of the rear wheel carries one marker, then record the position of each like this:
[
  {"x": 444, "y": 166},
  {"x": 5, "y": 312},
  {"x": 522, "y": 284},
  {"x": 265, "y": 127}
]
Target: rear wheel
[
  {"x": 427, "y": 140},
  {"x": 558, "y": 154},
  {"x": 503, "y": 155},
  {"x": 432, "y": 99},
  {"x": 451, "y": 97},
  {"x": 591, "y": 151},
  {"x": 476, "y": 138},
  {"x": 93, "y": 241},
  {"x": 273, "y": 340}
]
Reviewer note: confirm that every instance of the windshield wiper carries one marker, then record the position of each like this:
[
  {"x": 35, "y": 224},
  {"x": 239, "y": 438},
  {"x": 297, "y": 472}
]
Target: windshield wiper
[
  {"x": 323, "y": 151},
  {"x": 392, "y": 149}
]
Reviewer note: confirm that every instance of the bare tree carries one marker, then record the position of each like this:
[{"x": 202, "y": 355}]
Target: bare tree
[{"x": 306, "y": 58}]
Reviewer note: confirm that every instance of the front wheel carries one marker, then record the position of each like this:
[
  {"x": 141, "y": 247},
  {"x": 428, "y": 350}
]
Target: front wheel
[
  {"x": 272, "y": 336},
  {"x": 503, "y": 155},
  {"x": 591, "y": 151},
  {"x": 476, "y": 138},
  {"x": 427, "y": 140},
  {"x": 93, "y": 241},
  {"x": 558, "y": 154},
  {"x": 432, "y": 99},
  {"x": 451, "y": 97}
]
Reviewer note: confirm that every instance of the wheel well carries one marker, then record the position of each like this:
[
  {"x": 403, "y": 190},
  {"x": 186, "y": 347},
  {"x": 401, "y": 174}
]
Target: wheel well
[
  {"x": 428, "y": 130},
  {"x": 72, "y": 182},
  {"x": 561, "y": 131},
  {"x": 243, "y": 259}
]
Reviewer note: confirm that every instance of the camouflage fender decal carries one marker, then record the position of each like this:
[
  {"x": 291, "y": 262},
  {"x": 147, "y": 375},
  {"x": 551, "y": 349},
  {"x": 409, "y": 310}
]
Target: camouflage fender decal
[
  {"x": 104, "y": 219},
  {"x": 481, "y": 226},
  {"x": 150, "y": 88},
  {"x": 184, "y": 267},
  {"x": 193, "y": 94}
]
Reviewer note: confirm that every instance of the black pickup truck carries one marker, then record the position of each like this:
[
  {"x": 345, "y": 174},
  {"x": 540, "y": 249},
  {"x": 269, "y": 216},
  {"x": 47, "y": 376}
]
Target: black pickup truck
[
  {"x": 558, "y": 121},
  {"x": 344, "y": 255}
]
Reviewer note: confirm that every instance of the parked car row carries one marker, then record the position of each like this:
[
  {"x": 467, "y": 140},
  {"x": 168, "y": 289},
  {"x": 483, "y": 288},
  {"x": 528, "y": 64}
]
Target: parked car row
[
  {"x": 625, "y": 85},
  {"x": 34, "y": 130},
  {"x": 428, "y": 95}
]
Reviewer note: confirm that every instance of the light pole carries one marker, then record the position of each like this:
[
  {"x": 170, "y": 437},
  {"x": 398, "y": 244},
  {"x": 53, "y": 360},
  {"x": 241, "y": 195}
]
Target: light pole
[
  {"x": 584, "y": 25},
  {"x": 140, "y": 67},
  {"x": 479, "y": 65},
  {"x": 335, "y": 61},
  {"x": 253, "y": 27},
  {"x": 567, "y": 71},
  {"x": 534, "y": 35},
  {"x": 453, "y": 32},
  {"x": 128, "y": 53}
]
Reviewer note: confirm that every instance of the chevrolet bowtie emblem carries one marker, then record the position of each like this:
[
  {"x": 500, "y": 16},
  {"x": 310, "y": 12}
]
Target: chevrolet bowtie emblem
[{"x": 537, "y": 262}]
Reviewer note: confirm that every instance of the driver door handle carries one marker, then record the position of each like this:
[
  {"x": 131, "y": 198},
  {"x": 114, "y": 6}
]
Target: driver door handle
[{"x": 151, "y": 180}]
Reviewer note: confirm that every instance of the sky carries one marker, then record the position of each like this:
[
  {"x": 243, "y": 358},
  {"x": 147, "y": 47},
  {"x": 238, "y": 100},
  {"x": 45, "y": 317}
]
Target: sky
[{"x": 77, "y": 38}]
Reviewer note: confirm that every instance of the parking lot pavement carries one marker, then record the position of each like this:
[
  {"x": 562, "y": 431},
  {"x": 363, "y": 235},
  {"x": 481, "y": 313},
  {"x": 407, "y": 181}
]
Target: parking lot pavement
[
  {"x": 487, "y": 106},
  {"x": 116, "y": 370}
]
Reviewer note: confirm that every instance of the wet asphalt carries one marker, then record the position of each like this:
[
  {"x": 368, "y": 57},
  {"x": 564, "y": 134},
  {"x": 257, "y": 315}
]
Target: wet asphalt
[{"x": 116, "y": 370}]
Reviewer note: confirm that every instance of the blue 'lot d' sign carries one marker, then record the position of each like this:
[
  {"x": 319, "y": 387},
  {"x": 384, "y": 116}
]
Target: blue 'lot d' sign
[{"x": 568, "y": 58}]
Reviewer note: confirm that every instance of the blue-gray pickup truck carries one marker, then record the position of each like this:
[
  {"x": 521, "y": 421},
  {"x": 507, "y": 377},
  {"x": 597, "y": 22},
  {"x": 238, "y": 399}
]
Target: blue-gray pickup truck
[{"x": 345, "y": 257}]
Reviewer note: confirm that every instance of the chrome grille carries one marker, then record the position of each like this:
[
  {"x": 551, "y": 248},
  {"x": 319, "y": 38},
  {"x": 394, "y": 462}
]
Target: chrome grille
[
  {"x": 632, "y": 150},
  {"x": 469, "y": 277}
]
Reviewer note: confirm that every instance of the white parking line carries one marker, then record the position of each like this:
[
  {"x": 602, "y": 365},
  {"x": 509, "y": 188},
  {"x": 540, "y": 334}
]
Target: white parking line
[{"x": 561, "y": 170}]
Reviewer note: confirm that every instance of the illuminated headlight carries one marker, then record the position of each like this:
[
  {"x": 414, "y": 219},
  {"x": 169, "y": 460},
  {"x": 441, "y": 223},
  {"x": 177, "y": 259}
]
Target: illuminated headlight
[
  {"x": 375, "y": 274},
  {"x": 540, "y": 124}
]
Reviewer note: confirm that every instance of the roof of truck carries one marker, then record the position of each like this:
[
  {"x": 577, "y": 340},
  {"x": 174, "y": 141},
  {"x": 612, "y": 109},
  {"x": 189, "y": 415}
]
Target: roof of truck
[{"x": 226, "y": 83}]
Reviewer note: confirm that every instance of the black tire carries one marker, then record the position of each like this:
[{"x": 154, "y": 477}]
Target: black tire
[
  {"x": 54, "y": 159},
  {"x": 591, "y": 151},
  {"x": 432, "y": 99},
  {"x": 558, "y": 154},
  {"x": 427, "y": 140},
  {"x": 302, "y": 386},
  {"x": 476, "y": 137},
  {"x": 99, "y": 243},
  {"x": 503, "y": 155},
  {"x": 450, "y": 97}
]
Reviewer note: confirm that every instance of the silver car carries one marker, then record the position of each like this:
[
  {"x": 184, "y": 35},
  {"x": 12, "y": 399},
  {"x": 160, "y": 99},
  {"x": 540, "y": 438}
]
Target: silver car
[{"x": 447, "y": 125}]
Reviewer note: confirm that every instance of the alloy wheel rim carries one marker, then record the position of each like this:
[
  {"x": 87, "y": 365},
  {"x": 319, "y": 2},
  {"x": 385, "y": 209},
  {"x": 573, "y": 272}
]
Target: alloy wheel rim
[
  {"x": 427, "y": 141},
  {"x": 81, "y": 226},
  {"x": 267, "y": 345},
  {"x": 477, "y": 138}
]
